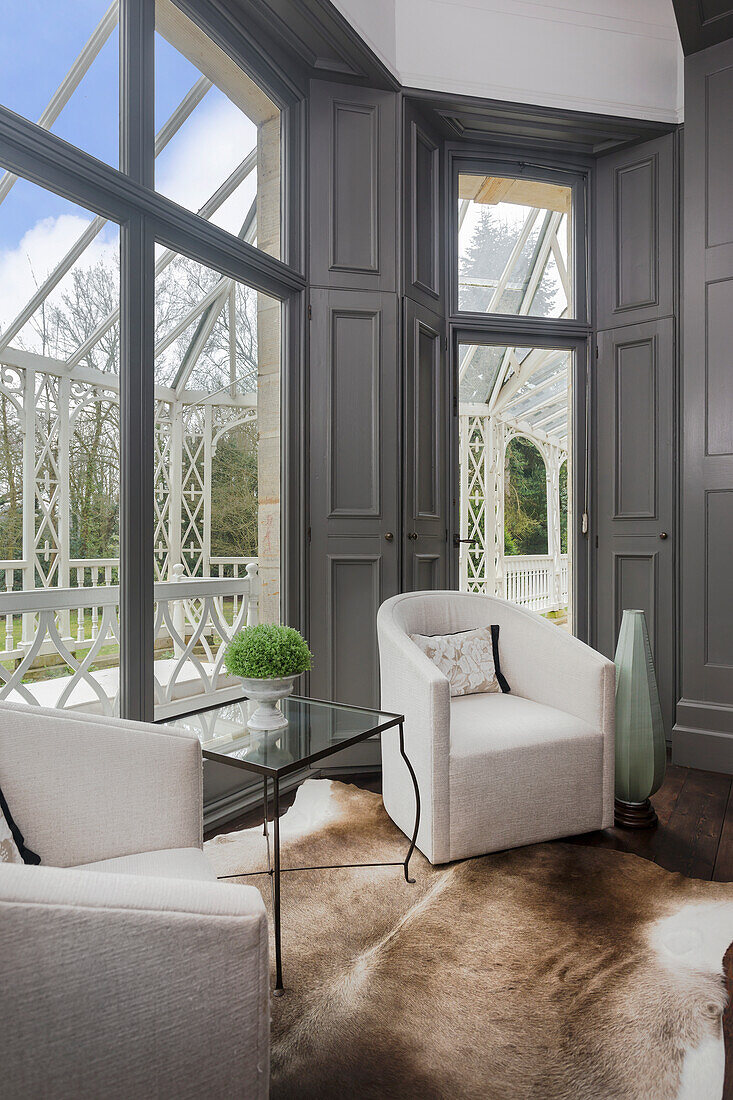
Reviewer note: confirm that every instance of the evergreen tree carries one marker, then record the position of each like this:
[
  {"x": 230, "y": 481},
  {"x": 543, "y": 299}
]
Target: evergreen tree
[{"x": 486, "y": 256}]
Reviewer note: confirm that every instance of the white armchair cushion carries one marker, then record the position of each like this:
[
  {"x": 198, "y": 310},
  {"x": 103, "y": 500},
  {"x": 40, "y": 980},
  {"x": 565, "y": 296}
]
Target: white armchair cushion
[
  {"x": 180, "y": 863},
  {"x": 515, "y": 768}
]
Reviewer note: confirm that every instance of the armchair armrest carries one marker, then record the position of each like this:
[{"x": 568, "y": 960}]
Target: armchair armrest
[
  {"x": 544, "y": 663},
  {"x": 413, "y": 685},
  {"x": 84, "y": 788},
  {"x": 128, "y": 986}
]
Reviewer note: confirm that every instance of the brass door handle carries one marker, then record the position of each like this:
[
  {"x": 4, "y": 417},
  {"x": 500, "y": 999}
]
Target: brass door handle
[
  {"x": 663, "y": 535},
  {"x": 389, "y": 536},
  {"x": 412, "y": 535}
]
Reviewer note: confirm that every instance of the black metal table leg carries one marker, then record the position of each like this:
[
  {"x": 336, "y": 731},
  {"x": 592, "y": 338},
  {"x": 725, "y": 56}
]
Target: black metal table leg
[
  {"x": 264, "y": 804},
  {"x": 278, "y": 990},
  {"x": 417, "y": 804}
]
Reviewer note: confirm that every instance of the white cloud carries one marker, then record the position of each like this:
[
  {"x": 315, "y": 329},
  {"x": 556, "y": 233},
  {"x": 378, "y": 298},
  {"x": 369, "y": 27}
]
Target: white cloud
[
  {"x": 40, "y": 249},
  {"x": 203, "y": 153}
]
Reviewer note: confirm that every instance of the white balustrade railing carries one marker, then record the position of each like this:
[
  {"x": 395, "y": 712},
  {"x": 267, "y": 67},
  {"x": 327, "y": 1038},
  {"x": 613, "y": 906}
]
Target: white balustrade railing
[
  {"x": 194, "y": 620},
  {"x": 528, "y": 581}
]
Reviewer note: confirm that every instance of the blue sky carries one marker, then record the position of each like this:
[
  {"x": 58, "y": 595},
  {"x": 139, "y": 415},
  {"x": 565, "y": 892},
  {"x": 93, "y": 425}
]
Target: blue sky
[{"x": 39, "y": 42}]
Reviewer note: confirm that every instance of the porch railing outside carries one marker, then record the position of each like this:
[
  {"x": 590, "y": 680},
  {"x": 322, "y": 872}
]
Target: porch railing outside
[
  {"x": 528, "y": 581},
  {"x": 59, "y": 647}
]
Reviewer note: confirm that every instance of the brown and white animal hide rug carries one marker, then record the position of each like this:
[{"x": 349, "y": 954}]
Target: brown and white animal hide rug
[{"x": 553, "y": 972}]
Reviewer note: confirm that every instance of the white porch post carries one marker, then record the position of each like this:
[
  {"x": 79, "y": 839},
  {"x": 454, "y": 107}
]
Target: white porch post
[
  {"x": 463, "y": 436},
  {"x": 208, "y": 456},
  {"x": 29, "y": 495},
  {"x": 64, "y": 509},
  {"x": 551, "y": 455},
  {"x": 175, "y": 485},
  {"x": 496, "y": 446}
]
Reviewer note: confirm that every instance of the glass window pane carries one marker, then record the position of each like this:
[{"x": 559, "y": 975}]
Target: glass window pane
[
  {"x": 515, "y": 445},
  {"x": 217, "y": 472},
  {"x": 59, "y": 66},
  {"x": 216, "y": 128},
  {"x": 59, "y": 452},
  {"x": 514, "y": 247}
]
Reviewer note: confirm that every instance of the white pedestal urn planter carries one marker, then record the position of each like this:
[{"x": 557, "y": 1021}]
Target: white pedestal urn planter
[
  {"x": 268, "y": 658},
  {"x": 268, "y": 693},
  {"x": 641, "y": 748}
]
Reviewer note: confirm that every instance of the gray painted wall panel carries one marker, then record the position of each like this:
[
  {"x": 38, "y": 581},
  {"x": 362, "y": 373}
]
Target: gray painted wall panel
[
  {"x": 635, "y": 460},
  {"x": 354, "y": 223},
  {"x": 423, "y": 220},
  {"x": 635, "y": 255},
  {"x": 635, "y": 491},
  {"x": 719, "y": 155},
  {"x": 718, "y": 546},
  {"x": 354, "y": 413},
  {"x": 426, "y": 417},
  {"x": 637, "y": 272},
  {"x": 635, "y": 587},
  {"x": 425, "y": 261},
  {"x": 352, "y": 177},
  {"x": 705, "y": 710},
  {"x": 719, "y": 372},
  {"x": 354, "y": 483},
  {"x": 354, "y": 592}
]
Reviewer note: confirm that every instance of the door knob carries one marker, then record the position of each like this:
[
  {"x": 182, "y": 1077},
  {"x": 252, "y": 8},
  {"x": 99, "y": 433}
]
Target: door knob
[
  {"x": 412, "y": 535},
  {"x": 663, "y": 535},
  {"x": 389, "y": 536}
]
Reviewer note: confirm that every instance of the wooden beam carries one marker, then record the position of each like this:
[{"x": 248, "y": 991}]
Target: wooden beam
[{"x": 491, "y": 190}]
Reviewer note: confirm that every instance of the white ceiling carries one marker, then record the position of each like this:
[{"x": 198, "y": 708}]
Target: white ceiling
[{"x": 619, "y": 57}]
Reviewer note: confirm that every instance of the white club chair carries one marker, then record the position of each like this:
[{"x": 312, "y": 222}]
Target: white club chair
[
  {"x": 495, "y": 771},
  {"x": 127, "y": 969}
]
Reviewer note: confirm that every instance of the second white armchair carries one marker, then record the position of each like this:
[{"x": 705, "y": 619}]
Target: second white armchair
[
  {"x": 127, "y": 969},
  {"x": 499, "y": 770}
]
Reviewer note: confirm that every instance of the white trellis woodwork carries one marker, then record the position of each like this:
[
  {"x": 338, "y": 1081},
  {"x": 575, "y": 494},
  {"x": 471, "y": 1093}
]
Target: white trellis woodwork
[{"x": 45, "y": 406}]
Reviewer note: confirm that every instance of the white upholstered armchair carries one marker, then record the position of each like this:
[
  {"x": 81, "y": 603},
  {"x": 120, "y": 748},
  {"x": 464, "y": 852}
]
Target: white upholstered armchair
[
  {"x": 495, "y": 770},
  {"x": 127, "y": 969}
]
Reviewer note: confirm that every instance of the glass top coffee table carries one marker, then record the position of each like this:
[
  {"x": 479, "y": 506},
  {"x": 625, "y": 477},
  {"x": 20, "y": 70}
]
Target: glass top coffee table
[{"x": 315, "y": 731}]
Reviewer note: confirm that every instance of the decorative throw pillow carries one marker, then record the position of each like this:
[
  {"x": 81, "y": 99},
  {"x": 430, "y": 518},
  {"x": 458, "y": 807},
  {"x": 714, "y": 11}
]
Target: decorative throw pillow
[
  {"x": 469, "y": 659},
  {"x": 12, "y": 845}
]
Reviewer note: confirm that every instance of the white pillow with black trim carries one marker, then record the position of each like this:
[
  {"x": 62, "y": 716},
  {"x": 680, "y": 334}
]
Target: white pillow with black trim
[{"x": 469, "y": 659}]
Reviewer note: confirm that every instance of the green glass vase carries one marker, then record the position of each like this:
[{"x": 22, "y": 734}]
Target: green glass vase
[{"x": 641, "y": 750}]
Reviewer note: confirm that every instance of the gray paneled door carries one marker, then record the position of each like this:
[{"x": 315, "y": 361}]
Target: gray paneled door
[
  {"x": 354, "y": 485},
  {"x": 425, "y": 552},
  {"x": 635, "y": 505}
]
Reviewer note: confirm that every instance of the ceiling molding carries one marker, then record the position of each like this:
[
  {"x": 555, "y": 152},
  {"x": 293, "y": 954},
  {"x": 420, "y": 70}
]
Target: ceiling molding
[
  {"x": 311, "y": 34},
  {"x": 522, "y": 125}
]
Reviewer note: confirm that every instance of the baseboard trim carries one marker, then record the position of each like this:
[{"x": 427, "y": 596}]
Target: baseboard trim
[{"x": 705, "y": 748}]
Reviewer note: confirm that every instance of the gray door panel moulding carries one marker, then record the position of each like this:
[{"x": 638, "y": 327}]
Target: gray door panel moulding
[{"x": 705, "y": 711}]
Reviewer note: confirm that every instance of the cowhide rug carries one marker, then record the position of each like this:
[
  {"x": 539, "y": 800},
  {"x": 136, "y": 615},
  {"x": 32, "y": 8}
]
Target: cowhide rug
[{"x": 555, "y": 972}]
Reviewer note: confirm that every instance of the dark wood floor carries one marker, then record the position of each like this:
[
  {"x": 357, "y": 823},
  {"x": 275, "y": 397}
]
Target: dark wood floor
[{"x": 694, "y": 836}]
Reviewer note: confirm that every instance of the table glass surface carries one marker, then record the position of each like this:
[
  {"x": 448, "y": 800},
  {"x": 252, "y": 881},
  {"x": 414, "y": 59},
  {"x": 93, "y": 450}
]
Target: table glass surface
[{"x": 314, "y": 729}]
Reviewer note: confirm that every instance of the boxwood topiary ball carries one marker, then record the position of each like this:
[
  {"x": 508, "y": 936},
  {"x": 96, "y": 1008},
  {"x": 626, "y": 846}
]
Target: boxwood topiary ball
[{"x": 267, "y": 651}]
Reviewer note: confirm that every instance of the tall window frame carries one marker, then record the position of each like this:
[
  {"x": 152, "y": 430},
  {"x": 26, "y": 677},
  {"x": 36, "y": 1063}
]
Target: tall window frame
[
  {"x": 574, "y": 333},
  {"x": 146, "y": 218}
]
